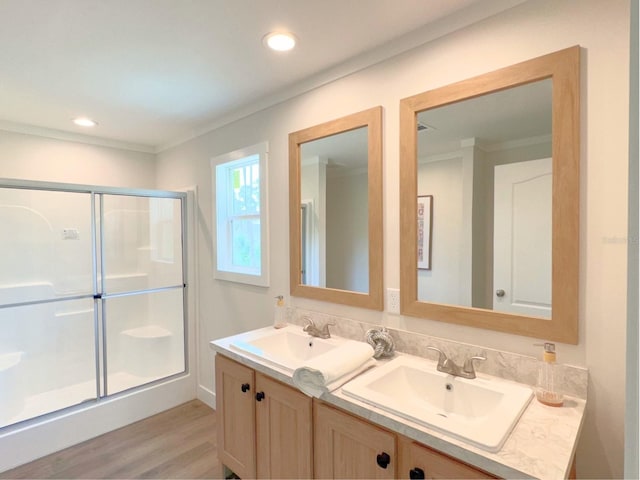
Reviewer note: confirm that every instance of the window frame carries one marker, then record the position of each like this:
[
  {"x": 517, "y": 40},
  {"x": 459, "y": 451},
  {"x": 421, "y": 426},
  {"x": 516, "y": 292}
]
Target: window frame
[{"x": 223, "y": 269}]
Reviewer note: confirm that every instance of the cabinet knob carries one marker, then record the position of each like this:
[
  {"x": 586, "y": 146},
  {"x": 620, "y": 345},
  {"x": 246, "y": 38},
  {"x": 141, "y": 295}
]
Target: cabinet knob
[
  {"x": 500, "y": 293},
  {"x": 245, "y": 387},
  {"x": 383, "y": 459},
  {"x": 416, "y": 473},
  {"x": 259, "y": 396}
]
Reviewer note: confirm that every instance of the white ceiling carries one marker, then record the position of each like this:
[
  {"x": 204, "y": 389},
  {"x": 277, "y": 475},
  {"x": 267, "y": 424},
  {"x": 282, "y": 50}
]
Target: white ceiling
[{"x": 157, "y": 72}]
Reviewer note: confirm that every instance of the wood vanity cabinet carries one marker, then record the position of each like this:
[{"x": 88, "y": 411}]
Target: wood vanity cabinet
[
  {"x": 418, "y": 461},
  {"x": 264, "y": 427},
  {"x": 236, "y": 418},
  {"x": 348, "y": 447}
]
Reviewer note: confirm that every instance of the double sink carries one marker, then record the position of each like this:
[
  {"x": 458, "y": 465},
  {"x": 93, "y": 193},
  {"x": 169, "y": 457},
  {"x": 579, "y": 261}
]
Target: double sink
[{"x": 482, "y": 411}]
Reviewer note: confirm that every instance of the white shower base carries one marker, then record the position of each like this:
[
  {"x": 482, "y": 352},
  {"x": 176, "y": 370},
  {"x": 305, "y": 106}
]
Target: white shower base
[
  {"x": 28, "y": 441},
  {"x": 54, "y": 400}
]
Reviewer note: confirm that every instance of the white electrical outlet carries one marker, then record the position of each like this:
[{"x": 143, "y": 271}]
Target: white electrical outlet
[{"x": 393, "y": 301}]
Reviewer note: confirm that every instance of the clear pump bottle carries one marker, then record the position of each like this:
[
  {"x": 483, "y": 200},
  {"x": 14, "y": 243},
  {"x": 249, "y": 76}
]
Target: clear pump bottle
[
  {"x": 279, "y": 315},
  {"x": 549, "y": 378}
]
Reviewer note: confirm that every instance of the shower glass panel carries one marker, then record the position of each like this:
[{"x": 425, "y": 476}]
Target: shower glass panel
[
  {"x": 92, "y": 298},
  {"x": 143, "y": 294},
  {"x": 142, "y": 243},
  {"x": 144, "y": 337},
  {"x": 46, "y": 243},
  {"x": 47, "y": 358},
  {"x": 47, "y": 323}
]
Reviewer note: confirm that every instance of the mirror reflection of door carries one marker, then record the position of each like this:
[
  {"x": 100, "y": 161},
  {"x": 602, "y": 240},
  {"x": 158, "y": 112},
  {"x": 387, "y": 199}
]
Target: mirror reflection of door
[
  {"x": 522, "y": 238},
  {"x": 309, "y": 248},
  {"x": 335, "y": 211}
]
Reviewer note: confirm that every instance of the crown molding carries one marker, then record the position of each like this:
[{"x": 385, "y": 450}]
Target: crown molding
[{"x": 73, "y": 137}]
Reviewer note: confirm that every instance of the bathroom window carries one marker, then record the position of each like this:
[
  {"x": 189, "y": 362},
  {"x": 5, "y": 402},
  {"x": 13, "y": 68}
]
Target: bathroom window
[{"x": 241, "y": 215}]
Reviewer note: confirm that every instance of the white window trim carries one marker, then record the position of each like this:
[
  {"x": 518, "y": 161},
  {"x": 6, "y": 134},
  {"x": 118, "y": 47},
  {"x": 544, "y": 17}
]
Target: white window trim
[{"x": 219, "y": 264}]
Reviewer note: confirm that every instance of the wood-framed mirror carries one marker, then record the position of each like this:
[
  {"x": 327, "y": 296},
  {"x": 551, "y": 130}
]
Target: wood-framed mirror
[
  {"x": 335, "y": 211},
  {"x": 455, "y": 147}
]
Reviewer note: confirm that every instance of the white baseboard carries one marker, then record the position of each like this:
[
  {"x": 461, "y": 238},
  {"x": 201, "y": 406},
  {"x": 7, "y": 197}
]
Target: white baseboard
[{"x": 207, "y": 396}]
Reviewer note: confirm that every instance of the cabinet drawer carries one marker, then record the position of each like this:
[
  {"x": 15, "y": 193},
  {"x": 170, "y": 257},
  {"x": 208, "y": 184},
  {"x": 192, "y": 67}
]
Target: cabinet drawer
[{"x": 419, "y": 461}]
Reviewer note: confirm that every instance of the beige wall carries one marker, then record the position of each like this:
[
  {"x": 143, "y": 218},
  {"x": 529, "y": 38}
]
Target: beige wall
[
  {"x": 526, "y": 31},
  {"x": 31, "y": 157}
]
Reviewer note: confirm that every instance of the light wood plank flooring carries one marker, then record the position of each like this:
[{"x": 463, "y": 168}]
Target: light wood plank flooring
[{"x": 178, "y": 443}]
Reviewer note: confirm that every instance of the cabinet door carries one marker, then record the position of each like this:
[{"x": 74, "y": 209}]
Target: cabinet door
[
  {"x": 347, "y": 447},
  {"x": 283, "y": 431},
  {"x": 418, "y": 461},
  {"x": 235, "y": 411}
]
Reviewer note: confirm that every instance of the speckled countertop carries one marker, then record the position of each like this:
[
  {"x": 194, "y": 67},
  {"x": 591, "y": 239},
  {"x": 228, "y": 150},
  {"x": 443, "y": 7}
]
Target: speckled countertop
[{"x": 541, "y": 445}]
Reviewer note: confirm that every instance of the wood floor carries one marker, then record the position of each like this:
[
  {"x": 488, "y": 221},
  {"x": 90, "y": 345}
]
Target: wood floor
[{"x": 178, "y": 443}]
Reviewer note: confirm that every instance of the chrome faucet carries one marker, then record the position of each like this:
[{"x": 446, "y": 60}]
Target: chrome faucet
[
  {"x": 446, "y": 365},
  {"x": 312, "y": 329}
]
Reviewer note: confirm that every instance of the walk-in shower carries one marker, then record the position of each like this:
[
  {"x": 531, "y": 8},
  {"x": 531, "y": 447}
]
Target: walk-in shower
[{"x": 92, "y": 294}]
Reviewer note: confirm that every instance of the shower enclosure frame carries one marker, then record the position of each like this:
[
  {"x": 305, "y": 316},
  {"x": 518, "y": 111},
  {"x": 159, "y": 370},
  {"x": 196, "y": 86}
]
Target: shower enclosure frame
[{"x": 99, "y": 295}]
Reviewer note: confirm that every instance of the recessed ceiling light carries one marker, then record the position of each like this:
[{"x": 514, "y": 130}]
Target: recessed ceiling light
[
  {"x": 279, "y": 41},
  {"x": 84, "y": 122}
]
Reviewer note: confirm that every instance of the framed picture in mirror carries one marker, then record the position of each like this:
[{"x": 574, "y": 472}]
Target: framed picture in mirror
[{"x": 425, "y": 223}]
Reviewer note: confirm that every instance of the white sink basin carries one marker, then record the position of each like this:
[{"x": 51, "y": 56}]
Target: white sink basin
[
  {"x": 482, "y": 411},
  {"x": 287, "y": 348}
]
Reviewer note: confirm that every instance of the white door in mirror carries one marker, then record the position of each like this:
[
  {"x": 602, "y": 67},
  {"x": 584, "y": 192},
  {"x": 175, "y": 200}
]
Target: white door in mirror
[{"x": 522, "y": 238}]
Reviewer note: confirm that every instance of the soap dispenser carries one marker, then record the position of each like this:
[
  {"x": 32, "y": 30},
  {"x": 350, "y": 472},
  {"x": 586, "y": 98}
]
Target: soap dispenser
[
  {"x": 549, "y": 378},
  {"x": 279, "y": 316}
]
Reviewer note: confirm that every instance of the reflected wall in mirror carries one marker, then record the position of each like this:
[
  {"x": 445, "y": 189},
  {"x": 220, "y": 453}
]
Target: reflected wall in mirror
[
  {"x": 335, "y": 211},
  {"x": 499, "y": 153},
  {"x": 333, "y": 187}
]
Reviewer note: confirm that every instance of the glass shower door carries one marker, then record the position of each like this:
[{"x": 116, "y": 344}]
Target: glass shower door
[
  {"x": 142, "y": 290},
  {"x": 48, "y": 349}
]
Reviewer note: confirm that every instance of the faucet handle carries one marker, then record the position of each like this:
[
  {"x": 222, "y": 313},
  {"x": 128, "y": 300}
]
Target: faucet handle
[
  {"x": 442, "y": 358},
  {"x": 309, "y": 326},
  {"x": 325, "y": 329},
  {"x": 468, "y": 365}
]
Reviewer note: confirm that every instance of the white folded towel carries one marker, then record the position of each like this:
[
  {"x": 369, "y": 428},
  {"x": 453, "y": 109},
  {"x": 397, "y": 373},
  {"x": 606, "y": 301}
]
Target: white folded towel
[{"x": 333, "y": 369}]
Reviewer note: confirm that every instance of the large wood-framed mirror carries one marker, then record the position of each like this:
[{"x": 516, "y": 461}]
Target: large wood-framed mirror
[
  {"x": 335, "y": 211},
  {"x": 489, "y": 200}
]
